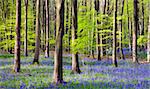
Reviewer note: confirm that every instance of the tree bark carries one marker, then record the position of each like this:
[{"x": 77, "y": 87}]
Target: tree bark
[
  {"x": 70, "y": 27},
  {"x": 67, "y": 21},
  {"x": 121, "y": 26},
  {"x": 58, "y": 67},
  {"x": 114, "y": 34},
  {"x": 148, "y": 43},
  {"x": 98, "y": 48},
  {"x": 142, "y": 28},
  {"x": 103, "y": 49},
  {"x": 75, "y": 60},
  {"x": 93, "y": 30},
  {"x": 26, "y": 28},
  {"x": 11, "y": 30},
  {"x": 129, "y": 28},
  {"x": 18, "y": 36},
  {"x": 37, "y": 43},
  {"x": 34, "y": 14},
  {"x": 134, "y": 41},
  {"x": 47, "y": 29}
]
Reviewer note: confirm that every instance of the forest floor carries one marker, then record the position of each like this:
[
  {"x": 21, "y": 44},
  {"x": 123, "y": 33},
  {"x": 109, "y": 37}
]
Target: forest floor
[{"x": 95, "y": 74}]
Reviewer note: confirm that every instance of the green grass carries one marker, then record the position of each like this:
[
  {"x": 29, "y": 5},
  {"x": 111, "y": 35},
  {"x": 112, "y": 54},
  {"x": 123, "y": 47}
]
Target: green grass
[{"x": 6, "y": 55}]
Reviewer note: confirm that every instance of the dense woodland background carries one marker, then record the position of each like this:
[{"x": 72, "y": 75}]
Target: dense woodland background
[{"x": 97, "y": 29}]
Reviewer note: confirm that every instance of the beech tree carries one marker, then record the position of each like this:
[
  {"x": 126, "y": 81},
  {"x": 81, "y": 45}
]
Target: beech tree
[
  {"x": 58, "y": 67},
  {"x": 114, "y": 34},
  {"x": 97, "y": 8},
  {"x": 37, "y": 43},
  {"x": 75, "y": 60},
  {"x": 121, "y": 28},
  {"x": 135, "y": 29},
  {"x": 47, "y": 28},
  {"x": 16, "y": 67},
  {"x": 26, "y": 27}
]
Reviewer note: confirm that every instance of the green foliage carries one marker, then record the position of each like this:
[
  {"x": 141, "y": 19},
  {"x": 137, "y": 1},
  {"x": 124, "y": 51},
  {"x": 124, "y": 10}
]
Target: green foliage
[
  {"x": 6, "y": 56},
  {"x": 7, "y": 26},
  {"x": 141, "y": 55},
  {"x": 142, "y": 40},
  {"x": 87, "y": 25}
]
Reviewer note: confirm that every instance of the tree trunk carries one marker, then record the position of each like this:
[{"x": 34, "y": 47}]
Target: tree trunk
[
  {"x": 75, "y": 60},
  {"x": 18, "y": 36},
  {"x": 97, "y": 34},
  {"x": 121, "y": 26},
  {"x": 129, "y": 28},
  {"x": 47, "y": 29},
  {"x": 58, "y": 67},
  {"x": 26, "y": 27},
  {"x": 11, "y": 30},
  {"x": 108, "y": 6},
  {"x": 148, "y": 43},
  {"x": 142, "y": 24},
  {"x": 103, "y": 49},
  {"x": 70, "y": 27},
  {"x": 142, "y": 28},
  {"x": 67, "y": 25},
  {"x": 43, "y": 26},
  {"x": 134, "y": 45},
  {"x": 114, "y": 34},
  {"x": 37, "y": 44},
  {"x": 93, "y": 30},
  {"x": 34, "y": 13}
]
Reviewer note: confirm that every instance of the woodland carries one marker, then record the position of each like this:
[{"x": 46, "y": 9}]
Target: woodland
[{"x": 74, "y": 44}]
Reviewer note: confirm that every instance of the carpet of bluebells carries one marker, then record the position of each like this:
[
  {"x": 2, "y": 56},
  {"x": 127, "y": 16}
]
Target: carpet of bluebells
[{"x": 95, "y": 75}]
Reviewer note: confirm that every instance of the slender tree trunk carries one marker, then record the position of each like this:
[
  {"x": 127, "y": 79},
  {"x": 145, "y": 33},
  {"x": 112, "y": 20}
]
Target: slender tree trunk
[
  {"x": 142, "y": 24},
  {"x": 121, "y": 27},
  {"x": 67, "y": 21},
  {"x": 18, "y": 36},
  {"x": 103, "y": 48},
  {"x": 108, "y": 6},
  {"x": 34, "y": 13},
  {"x": 142, "y": 29},
  {"x": 55, "y": 22},
  {"x": 148, "y": 43},
  {"x": 98, "y": 48},
  {"x": 114, "y": 34},
  {"x": 70, "y": 27},
  {"x": 11, "y": 30},
  {"x": 26, "y": 27},
  {"x": 47, "y": 29},
  {"x": 43, "y": 26},
  {"x": 58, "y": 67},
  {"x": 129, "y": 28},
  {"x": 93, "y": 30},
  {"x": 37, "y": 43},
  {"x": 134, "y": 45},
  {"x": 75, "y": 60}
]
